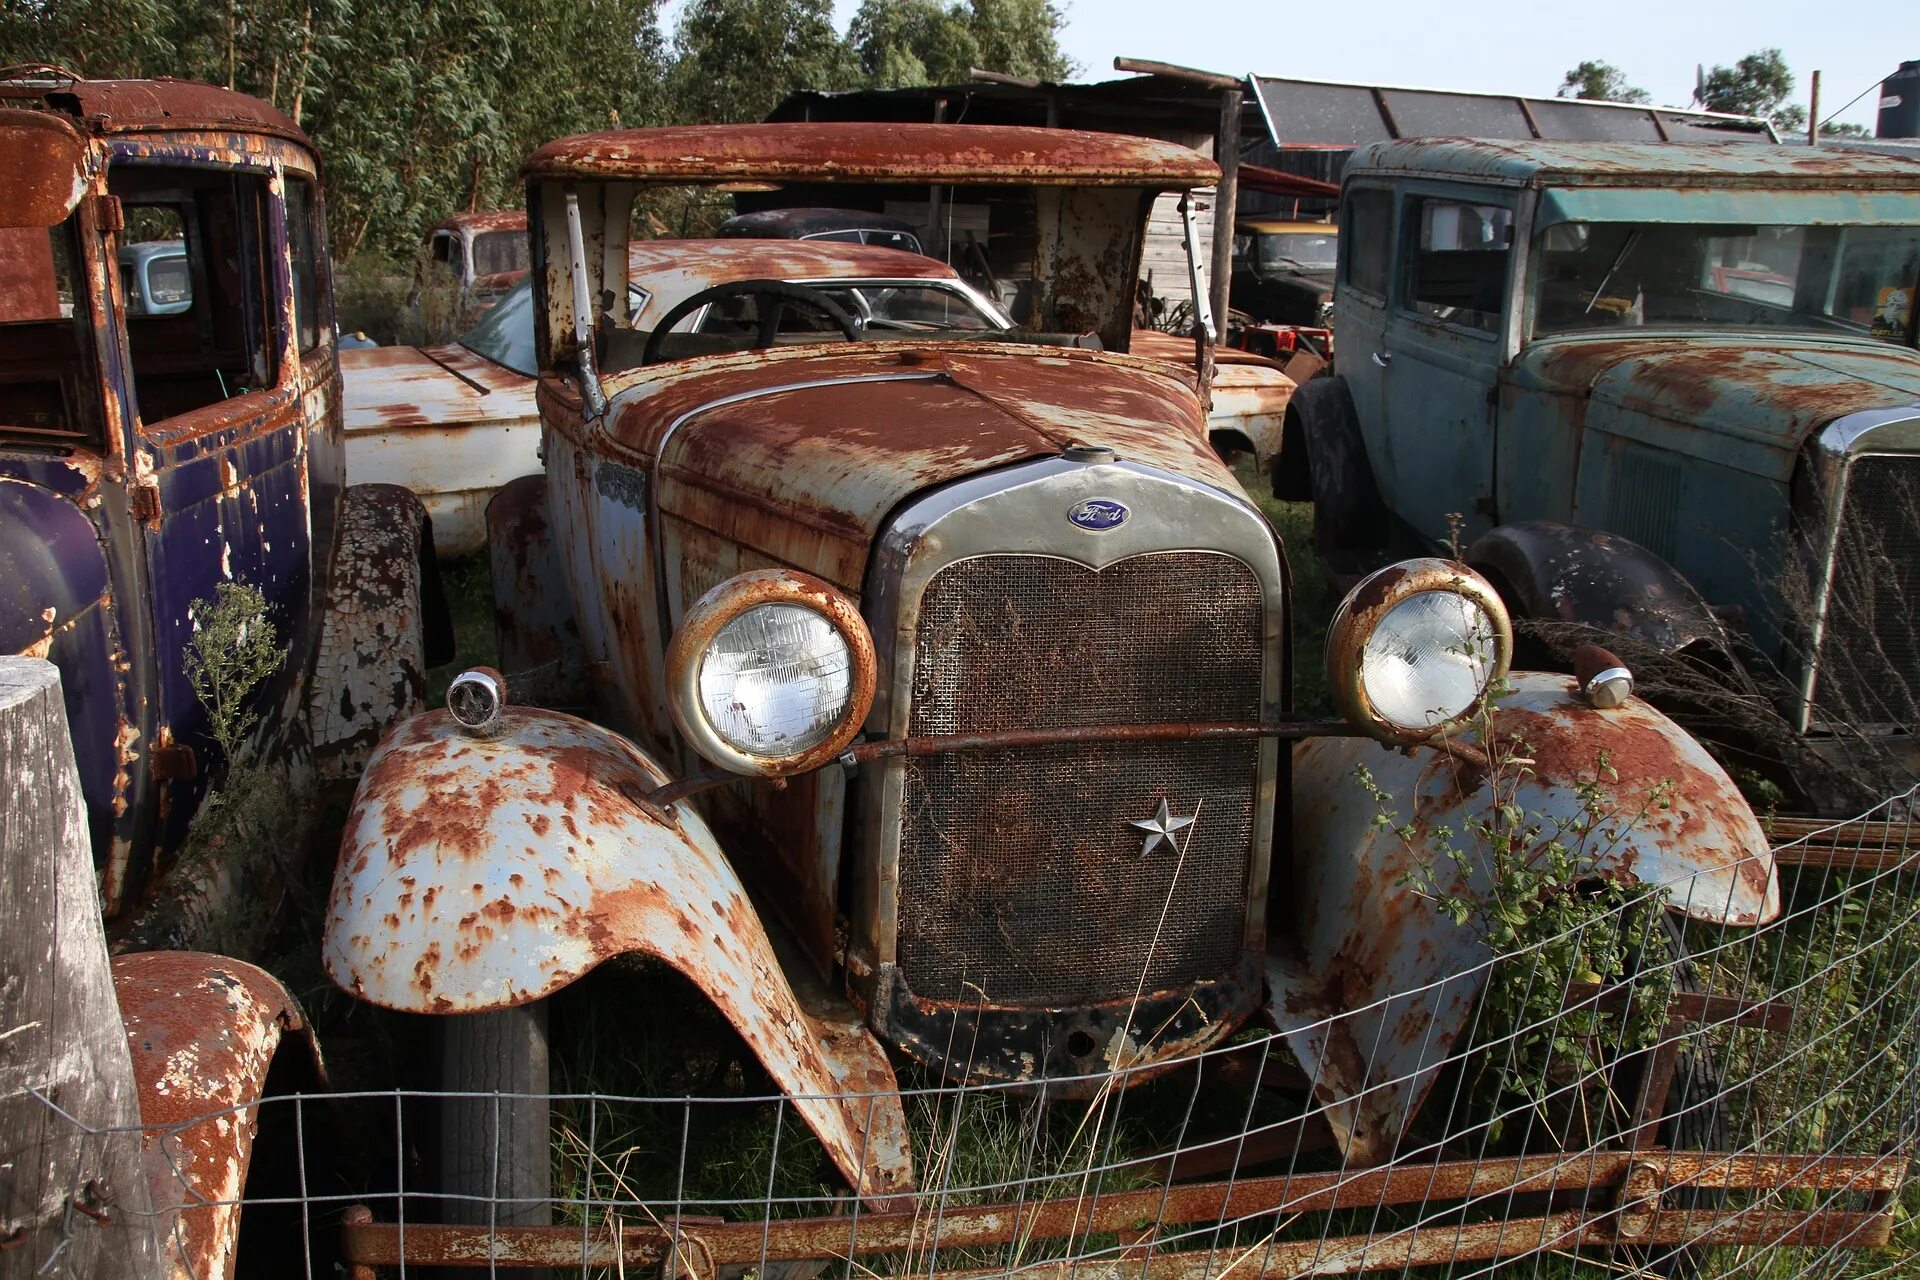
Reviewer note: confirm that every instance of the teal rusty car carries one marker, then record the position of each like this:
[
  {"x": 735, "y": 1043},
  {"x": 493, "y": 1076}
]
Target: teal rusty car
[{"x": 1668, "y": 391}]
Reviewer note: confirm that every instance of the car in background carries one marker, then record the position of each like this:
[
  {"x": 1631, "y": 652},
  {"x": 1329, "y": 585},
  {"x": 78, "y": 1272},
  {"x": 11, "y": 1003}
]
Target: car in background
[
  {"x": 155, "y": 279},
  {"x": 1283, "y": 270},
  {"x": 485, "y": 253},
  {"x": 843, "y": 226},
  {"x": 453, "y": 423}
]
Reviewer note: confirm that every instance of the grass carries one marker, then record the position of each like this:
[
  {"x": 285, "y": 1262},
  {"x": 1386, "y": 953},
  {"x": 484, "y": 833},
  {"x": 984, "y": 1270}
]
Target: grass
[
  {"x": 1314, "y": 598},
  {"x": 468, "y": 584}
]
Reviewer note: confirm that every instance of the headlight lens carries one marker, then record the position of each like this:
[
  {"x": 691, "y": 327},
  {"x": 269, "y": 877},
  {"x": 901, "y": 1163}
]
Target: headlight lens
[
  {"x": 1415, "y": 647},
  {"x": 776, "y": 680},
  {"x": 771, "y": 673},
  {"x": 1428, "y": 660}
]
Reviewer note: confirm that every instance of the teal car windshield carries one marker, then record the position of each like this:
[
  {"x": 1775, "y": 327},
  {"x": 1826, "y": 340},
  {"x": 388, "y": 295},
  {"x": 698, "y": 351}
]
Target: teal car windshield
[{"x": 1842, "y": 280}]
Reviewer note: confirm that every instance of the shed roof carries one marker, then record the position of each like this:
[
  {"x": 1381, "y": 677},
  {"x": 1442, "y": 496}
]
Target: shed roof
[
  {"x": 1546, "y": 163},
  {"x": 831, "y": 152}
]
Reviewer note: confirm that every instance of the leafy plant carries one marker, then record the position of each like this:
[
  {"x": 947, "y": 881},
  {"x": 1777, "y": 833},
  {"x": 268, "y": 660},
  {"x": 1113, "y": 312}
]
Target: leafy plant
[
  {"x": 234, "y": 648},
  {"x": 1536, "y": 888}
]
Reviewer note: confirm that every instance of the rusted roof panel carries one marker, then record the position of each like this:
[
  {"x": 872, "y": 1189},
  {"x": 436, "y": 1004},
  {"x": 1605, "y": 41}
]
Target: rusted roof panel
[
  {"x": 485, "y": 220},
  {"x": 1728, "y": 164},
  {"x": 136, "y": 106},
  {"x": 836, "y": 151}
]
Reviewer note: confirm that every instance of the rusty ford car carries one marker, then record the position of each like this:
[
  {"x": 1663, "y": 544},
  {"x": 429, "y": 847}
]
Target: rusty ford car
[{"x": 944, "y": 688}]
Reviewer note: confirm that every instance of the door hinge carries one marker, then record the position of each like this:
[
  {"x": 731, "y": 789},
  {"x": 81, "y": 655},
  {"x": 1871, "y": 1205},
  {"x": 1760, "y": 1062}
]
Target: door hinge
[
  {"x": 109, "y": 215},
  {"x": 144, "y": 502}
]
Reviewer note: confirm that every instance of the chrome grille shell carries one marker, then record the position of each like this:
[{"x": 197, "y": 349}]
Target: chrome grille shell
[
  {"x": 1015, "y": 516},
  {"x": 1866, "y": 543}
]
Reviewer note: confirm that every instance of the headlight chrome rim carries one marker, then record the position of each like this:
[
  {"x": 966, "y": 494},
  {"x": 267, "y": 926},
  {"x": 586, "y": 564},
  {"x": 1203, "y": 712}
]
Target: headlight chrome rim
[
  {"x": 1369, "y": 604},
  {"x": 727, "y": 603}
]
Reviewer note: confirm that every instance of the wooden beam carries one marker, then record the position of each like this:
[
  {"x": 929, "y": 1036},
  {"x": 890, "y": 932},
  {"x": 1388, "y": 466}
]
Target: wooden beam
[
  {"x": 1226, "y": 151},
  {"x": 73, "y": 1182},
  {"x": 1172, "y": 71}
]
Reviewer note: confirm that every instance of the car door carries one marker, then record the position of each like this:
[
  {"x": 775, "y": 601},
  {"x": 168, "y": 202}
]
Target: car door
[
  {"x": 1442, "y": 344},
  {"x": 220, "y": 457},
  {"x": 1366, "y": 274}
]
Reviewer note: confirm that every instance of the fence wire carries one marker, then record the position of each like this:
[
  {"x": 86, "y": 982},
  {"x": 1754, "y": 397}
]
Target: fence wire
[{"x": 1732, "y": 1101}]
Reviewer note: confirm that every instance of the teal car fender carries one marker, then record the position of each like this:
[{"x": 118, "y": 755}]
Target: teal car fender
[
  {"x": 1375, "y": 986},
  {"x": 482, "y": 872}
]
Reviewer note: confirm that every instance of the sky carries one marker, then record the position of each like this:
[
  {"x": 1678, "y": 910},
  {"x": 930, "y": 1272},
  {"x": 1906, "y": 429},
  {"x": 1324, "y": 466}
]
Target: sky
[{"x": 1499, "y": 45}]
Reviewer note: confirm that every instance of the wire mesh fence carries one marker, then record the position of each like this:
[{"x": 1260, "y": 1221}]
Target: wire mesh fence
[{"x": 1717, "y": 1101}]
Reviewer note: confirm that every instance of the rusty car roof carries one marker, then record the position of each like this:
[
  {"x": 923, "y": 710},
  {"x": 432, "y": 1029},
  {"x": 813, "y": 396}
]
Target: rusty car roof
[
  {"x": 1273, "y": 226},
  {"x": 1549, "y": 163},
  {"x": 146, "y": 106},
  {"x": 482, "y": 221},
  {"x": 840, "y": 151}
]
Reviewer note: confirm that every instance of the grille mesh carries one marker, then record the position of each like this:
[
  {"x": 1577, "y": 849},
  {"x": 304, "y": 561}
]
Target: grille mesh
[
  {"x": 1870, "y": 650},
  {"x": 1021, "y": 881}
]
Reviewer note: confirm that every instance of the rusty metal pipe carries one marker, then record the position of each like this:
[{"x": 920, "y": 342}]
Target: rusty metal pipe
[{"x": 1014, "y": 739}]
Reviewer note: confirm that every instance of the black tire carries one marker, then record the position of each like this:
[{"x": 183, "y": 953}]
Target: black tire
[
  {"x": 505, "y": 1053},
  {"x": 1349, "y": 519},
  {"x": 1692, "y": 1118}
]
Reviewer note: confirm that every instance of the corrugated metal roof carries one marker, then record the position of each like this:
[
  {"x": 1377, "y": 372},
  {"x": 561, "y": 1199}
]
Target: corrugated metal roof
[{"x": 1547, "y": 163}]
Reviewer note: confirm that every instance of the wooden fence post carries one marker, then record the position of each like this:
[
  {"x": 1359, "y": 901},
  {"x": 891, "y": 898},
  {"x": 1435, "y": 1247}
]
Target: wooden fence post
[{"x": 74, "y": 1201}]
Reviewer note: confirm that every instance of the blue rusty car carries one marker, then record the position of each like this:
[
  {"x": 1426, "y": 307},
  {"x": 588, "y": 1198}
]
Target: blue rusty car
[
  {"x": 1665, "y": 391},
  {"x": 149, "y": 453}
]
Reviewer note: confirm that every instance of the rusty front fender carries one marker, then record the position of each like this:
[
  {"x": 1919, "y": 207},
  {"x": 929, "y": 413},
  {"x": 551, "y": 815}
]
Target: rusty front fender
[
  {"x": 481, "y": 873},
  {"x": 202, "y": 1030},
  {"x": 1376, "y": 987}
]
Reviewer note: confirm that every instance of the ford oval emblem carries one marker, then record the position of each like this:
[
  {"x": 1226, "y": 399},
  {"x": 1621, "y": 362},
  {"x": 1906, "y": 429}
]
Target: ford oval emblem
[{"x": 1097, "y": 515}]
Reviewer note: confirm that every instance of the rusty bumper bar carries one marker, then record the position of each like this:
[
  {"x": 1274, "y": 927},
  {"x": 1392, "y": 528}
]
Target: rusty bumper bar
[
  {"x": 1638, "y": 1179},
  {"x": 951, "y": 743}
]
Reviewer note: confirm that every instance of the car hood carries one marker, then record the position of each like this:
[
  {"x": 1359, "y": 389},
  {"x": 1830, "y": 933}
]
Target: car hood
[
  {"x": 1756, "y": 404},
  {"x": 382, "y": 388},
  {"x": 802, "y": 456}
]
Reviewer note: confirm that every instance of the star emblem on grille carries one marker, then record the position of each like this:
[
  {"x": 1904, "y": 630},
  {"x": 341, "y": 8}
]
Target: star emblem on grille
[{"x": 1161, "y": 828}]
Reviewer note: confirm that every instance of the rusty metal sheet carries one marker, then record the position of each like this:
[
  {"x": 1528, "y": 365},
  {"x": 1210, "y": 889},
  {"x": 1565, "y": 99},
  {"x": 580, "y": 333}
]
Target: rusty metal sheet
[
  {"x": 46, "y": 168},
  {"x": 483, "y": 221},
  {"x": 801, "y": 453},
  {"x": 837, "y": 151},
  {"x": 1381, "y": 987},
  {"x": 165, "y": 104},
  {"x": 203, "y": 1030},
  {"x": 443, "y": 422},
  {"x": 477, "y": 874}
]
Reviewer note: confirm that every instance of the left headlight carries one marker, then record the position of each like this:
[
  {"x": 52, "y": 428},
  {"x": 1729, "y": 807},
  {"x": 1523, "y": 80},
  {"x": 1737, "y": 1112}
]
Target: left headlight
[
  {"x": 1414, "y": 648},
  {"x": 771, "y": 673}
]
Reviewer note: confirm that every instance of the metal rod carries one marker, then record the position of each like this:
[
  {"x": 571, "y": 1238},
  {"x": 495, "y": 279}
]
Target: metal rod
[{"x": 591, "y": 394}]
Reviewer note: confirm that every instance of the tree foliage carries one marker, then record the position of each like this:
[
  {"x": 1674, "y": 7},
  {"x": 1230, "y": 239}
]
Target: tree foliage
[
  {"x": 1757, "y": 85},
  {"x": 1600, "y": 82},
  {"x": 422, "y": 109}
]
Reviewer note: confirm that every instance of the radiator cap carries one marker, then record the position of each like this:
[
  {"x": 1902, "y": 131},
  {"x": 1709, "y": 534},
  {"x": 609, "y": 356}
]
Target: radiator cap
[{"x": 1088, "y": 453}]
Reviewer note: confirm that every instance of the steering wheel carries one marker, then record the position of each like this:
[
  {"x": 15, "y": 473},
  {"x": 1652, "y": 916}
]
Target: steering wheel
[{"x": 778, "y": 295}]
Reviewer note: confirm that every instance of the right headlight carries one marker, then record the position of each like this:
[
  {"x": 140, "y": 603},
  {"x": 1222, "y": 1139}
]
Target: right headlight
[
  {"x": 1414, "y": 648},
  {"x": 771, "y": 673}
]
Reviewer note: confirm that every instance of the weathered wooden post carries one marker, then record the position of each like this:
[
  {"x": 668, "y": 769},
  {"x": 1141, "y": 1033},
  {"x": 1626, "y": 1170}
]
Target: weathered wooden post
[{"x": 74, "y": 1201}]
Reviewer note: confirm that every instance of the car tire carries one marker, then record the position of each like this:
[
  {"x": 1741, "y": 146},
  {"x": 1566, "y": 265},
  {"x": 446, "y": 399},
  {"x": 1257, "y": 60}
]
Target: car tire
[
  {"x": 502, "y": 1054},
  {"x": 1349, "y": 520},
  {"x": 1693, "y": 1119}
]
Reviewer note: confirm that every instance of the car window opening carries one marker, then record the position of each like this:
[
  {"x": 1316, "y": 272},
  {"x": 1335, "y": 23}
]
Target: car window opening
[{"x": 48, "y": 383}]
